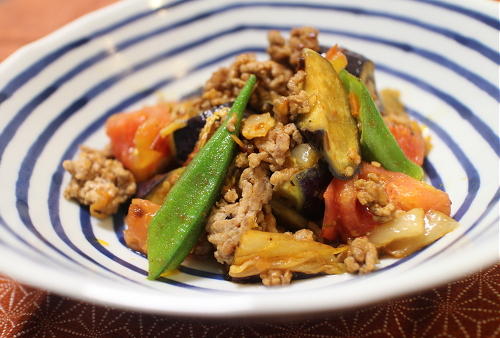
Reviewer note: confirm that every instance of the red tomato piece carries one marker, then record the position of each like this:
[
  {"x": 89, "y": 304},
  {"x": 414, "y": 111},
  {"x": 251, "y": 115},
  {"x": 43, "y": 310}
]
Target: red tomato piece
[
  {"x": 140, "y": 213},
  {"x": 346, "y": 217},
  {"x": 136, "y": 141},
  {"x": 411, "y": 141},
  {"x": 408, "y": 193}
]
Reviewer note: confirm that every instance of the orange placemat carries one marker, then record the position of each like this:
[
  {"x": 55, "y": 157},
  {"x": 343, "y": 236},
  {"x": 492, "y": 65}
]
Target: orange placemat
[
  {"x": 466, "y": 308},
  {"x": 23, "y": 21}
]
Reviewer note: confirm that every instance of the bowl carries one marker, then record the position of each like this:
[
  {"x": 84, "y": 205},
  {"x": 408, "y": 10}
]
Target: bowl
[{"x": 56, "y": 94}]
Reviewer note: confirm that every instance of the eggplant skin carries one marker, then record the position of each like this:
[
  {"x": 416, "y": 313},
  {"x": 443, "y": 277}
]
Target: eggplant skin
[
  {"x": 146, "y": 187},
  {"x": 312, "y": 183},
  {"x": 185, "y": 138},
  {"x": 329, "y": 125},
  {"x": 304, "y": 192},
  {"x": 364, "y": 69}
]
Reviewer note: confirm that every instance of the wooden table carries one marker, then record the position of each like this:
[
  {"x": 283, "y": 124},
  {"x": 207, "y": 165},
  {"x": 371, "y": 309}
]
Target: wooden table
[{"x": 466, "y": 308}]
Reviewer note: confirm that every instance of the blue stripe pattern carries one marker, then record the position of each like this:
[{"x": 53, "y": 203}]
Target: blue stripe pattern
[
  {"x": 41, "y": 64},
  {"x": 15, "y": 123},
  {"x": 36, "y": 149}
]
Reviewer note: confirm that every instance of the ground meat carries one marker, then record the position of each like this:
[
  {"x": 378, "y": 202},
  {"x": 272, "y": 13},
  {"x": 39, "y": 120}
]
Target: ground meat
[
  {"x": 276, "y": 277},
  {"x": 289, "y": 53},
  {"x": 371, "y": 193},
  {"x": 225, "y": 84},
  {"x": 282, "y": 176},
  {"x": 287, "y": 108},
  {"x": 304, "y": 235},
  {"x": 275, "y": 147},
  {"x": 98, "y": 181},
  {"x": 241, "y": 160},
  {"x": 228, "y": 221},
  {"x": 231, "y": 196},
  {"x": 361, "y": 256}
]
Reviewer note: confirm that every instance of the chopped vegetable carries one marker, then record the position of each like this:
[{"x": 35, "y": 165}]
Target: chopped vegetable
[
  {"x": 305, "y": 189},
  {"x": 407, "y": 193},
  {"x": 140, "y": 213},
  {"x": 304, "y": 156},
  {"x": 260, "y": 251},
  {"x": 411, "y": 142},
  {"x": 345, "y": 216},
  {"x": 364, "y": 69},
  {"x": 175, "y": 228},
  {"x": 185, "y": 139},
  {"x": 408, "y": 224},
  {"x": 337, "y": 58},
  {"x": 136, "y": 142},
  {"x": 329, "y": 125},
  {"x": 257, "y": 125},
  {"x": 287, "y": 215},
  {"x": 377, "y": 142},
  {"x": 436, "y": 224}
]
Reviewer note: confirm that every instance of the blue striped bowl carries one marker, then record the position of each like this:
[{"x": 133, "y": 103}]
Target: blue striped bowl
[{"x": 55, "y": 94}]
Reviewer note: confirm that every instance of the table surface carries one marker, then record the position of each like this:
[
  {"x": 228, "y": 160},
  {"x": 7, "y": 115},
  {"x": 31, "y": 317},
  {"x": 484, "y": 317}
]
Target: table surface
[{"x": 466, "y": 308}]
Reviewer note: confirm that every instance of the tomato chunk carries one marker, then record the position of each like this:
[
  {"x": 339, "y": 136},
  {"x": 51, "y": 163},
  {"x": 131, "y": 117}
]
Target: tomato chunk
[
  {"x": 136, "y": 141},
  {"x": 346, "y": 217},
  {"x": 410, "y": 140},
  {"x": 408, "y": 193},
  {"x": 140, "y": 213}
]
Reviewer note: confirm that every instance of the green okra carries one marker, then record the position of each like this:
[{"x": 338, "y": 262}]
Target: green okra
[
  {"x": 377, "y": 142},
  {"x": 175, "y": 228}
]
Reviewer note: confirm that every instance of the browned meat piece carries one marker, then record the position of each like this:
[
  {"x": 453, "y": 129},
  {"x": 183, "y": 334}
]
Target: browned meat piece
[
  {"x": 282, "y": 176},
  {"x": 289, "y": 52},
  {"x": 361, "y": 256},
  {"x": 275, "y": 147},
  {"x": 98, "y": 181},
  {"x": 276, "y": 277},
  {"x": 228, "y": 222},
  {"x": 371, "y": 193},
  {"x": 297, "y": 102},
  {"x": 225, "y": 84}
]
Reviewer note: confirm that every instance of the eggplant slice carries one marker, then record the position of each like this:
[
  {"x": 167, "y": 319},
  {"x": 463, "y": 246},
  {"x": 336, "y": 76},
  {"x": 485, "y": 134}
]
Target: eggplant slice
[{"x": 329, "y": 125}]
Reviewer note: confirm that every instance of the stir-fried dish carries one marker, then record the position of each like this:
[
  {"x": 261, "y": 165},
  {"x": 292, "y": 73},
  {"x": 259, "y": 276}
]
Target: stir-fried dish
[{"x": 288, "y": 166}]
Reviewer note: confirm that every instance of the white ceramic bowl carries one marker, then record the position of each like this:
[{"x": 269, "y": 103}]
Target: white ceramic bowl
[{"x": 56, "y": 93}]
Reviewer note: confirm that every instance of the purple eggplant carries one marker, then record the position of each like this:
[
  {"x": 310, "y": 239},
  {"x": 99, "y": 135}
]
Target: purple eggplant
[{"x": 185, "y": 138}]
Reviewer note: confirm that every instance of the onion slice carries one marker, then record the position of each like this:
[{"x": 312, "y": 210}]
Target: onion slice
[
  {"x": 260, "y": 251},
  {"x": 436, "y": 225},
  {"x": 407, "y": 225}
]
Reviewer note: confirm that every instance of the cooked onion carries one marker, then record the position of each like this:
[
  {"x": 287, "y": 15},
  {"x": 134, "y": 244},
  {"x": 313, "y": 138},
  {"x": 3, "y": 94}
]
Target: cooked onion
[
  {"x": 305, "y": 156},
  {"x": 408, "y": 224},
  {"x": 260, "y": 251},
  {"x": 436, "y": 225},
  {"x": 257, "y": 125}
]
